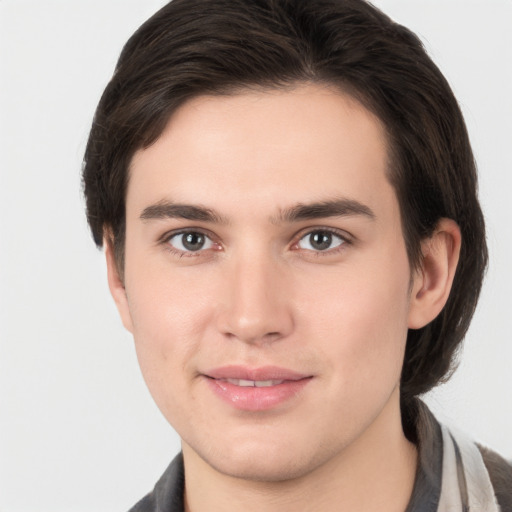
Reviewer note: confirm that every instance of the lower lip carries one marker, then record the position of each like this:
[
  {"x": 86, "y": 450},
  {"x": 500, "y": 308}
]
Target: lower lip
[{"x": 250, "y": 398}]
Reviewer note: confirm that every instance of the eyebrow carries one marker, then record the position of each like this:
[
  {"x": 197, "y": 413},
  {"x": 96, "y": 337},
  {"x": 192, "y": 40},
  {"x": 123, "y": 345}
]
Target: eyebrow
[
  {"x": 169, "y": 210},
  {"x": 334, "y": 208}
]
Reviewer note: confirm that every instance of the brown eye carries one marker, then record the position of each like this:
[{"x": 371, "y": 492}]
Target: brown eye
[{"x": 320, "y": 240}]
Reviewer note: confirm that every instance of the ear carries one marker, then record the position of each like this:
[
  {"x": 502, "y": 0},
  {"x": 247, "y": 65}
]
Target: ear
[
  {"x": 116, "y": 285},
  {"x": 432, "y": 282}
]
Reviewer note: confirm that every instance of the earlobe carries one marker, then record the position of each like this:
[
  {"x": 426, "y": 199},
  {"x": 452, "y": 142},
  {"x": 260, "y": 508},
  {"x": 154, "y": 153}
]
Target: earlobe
[
  {"x": 116, "y": 286},
  {"x": 433, "y": 281}
]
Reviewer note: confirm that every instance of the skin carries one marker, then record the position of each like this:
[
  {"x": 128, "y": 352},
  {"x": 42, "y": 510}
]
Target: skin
[{"x": 259, "y": 293}]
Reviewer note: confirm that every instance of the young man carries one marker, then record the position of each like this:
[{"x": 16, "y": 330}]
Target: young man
[{"x": 287, "y": 198}]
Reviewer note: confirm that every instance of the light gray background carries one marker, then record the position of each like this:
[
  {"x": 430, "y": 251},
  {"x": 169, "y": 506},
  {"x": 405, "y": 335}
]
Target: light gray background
[{"x": 78, "y": 430}]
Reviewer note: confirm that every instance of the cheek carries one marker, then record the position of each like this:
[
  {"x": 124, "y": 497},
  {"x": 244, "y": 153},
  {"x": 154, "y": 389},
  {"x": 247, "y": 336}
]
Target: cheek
[
  {"x": 165, "y": 303},
  {"x": 169, "y": 314},
  {"x": 360, "y": 334},
  {"x": 361, "y": 316}
]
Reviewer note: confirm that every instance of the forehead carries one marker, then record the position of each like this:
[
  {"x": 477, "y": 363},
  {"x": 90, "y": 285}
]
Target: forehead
[{"x": 274, "y": 146}]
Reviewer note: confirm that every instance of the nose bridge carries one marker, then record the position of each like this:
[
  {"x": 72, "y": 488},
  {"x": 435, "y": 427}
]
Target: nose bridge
[{"x": 256, "y": 308}]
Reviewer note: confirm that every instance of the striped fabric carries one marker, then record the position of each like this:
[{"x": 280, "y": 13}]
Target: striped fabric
[{"x": 466, "y": 485}]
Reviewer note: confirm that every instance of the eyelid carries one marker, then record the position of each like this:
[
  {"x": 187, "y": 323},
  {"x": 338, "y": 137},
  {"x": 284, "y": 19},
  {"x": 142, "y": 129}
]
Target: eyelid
[
  {"x": 165, "y": 237},
  {"x": 168, "y": 235},
  {"x": 336, "y": 231},
  {"x": 347, "y": 238}
]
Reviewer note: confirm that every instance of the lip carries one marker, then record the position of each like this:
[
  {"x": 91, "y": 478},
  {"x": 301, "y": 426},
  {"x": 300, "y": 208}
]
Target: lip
[
  {"x": 256, "y": 398},
  {"x": 261, "y": 373}
]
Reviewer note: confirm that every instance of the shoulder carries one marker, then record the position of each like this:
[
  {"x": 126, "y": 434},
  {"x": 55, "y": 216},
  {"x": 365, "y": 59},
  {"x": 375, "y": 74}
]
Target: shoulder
[
  {"x": 500, "y": 473},
  {"x": 459, "y": 470},
  {"x": 167, "y": 495},
  {"x": 146, "y": 504}
]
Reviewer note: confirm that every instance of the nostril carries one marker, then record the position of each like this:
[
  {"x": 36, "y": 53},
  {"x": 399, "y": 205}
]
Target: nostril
[{"x": 254, "y": 338}]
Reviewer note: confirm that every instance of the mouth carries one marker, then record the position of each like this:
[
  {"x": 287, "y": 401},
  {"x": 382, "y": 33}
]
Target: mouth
[
  {"x": 256, "y": 389},
  {"x": 253, "y": 383}
]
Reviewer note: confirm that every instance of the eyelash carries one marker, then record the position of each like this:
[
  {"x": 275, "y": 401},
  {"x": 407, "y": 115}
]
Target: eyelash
[
  {"x": 346, "y": 240},
  {"x": 165, "y": 241}
]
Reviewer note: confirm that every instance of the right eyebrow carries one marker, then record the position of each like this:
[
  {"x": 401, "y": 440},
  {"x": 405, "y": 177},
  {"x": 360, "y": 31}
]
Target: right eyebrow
[
  {"x": 340, "y": 207},
  {"x": 168, "y": 210}
]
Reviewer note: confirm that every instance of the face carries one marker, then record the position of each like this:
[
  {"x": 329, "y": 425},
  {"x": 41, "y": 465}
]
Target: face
[{"x": 267, "y": 283}]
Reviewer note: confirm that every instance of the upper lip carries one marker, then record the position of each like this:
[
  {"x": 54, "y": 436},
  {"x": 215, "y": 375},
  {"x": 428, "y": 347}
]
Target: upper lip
[{"x": 262, "y": 373}]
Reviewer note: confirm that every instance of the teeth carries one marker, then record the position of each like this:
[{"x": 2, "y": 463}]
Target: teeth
[
  {"x": 266, "y": 383},
  {"x": 254, "y": 383},
  {"x": 241, "y": 382}
]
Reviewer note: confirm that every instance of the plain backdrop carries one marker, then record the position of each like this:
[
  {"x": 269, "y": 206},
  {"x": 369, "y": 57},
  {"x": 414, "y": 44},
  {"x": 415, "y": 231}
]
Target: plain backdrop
[{"x": 78, "y": 429}]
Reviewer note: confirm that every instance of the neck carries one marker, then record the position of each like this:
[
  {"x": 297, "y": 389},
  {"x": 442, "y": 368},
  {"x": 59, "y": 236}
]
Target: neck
[{"x": 375, "y": 473}]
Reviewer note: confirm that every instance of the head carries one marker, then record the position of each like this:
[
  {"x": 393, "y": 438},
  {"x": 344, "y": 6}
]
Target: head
[{"x": 193, "y": 49}]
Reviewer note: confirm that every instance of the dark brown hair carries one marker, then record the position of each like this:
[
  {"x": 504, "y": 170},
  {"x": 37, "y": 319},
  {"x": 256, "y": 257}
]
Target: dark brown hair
[{"x": 194, "y": 47}]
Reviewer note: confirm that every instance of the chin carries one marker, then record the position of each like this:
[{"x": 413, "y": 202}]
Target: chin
[
  {"x": 264, "y": 463},
  {"x": 261, "y": 469}
]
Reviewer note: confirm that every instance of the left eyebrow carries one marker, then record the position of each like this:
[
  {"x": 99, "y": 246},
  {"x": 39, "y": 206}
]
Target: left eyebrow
[{"x": 334, "y": 208}]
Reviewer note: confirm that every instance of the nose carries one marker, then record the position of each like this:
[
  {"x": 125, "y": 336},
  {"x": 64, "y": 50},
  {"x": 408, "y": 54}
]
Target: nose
[{"x": 256, "y": 305}]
